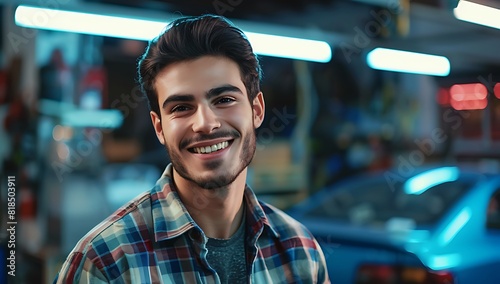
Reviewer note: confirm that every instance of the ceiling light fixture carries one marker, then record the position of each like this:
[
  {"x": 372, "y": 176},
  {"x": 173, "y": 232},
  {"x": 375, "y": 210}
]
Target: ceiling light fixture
[
  {"x": 146, "y": 29},
  {"x": 408, "y": 62},
  {"x": 477, "y": 14}
]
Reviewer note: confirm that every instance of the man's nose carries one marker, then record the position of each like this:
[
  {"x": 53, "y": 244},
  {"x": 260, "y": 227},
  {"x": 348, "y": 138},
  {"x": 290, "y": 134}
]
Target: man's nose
[{"x": 205, "y": 120}]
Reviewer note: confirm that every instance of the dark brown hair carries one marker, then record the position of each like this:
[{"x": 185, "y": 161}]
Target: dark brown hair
[{"x": 189, "y": 38}]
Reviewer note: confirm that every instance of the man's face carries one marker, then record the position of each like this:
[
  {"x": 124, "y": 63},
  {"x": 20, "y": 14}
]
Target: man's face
[{"x": 207, "y": 123}]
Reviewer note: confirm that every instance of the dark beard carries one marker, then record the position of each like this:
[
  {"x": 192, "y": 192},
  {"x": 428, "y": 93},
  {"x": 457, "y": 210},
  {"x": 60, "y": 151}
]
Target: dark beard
[{"x": 221, "y": 181}]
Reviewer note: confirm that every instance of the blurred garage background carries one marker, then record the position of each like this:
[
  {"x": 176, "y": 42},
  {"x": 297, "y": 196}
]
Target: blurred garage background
[{"x": 76, "y": 135}]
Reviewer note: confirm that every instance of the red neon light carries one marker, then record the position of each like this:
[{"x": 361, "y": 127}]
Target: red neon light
[
  {"x": 469, "y": 105},
  {"x": 468, "y": 96}
]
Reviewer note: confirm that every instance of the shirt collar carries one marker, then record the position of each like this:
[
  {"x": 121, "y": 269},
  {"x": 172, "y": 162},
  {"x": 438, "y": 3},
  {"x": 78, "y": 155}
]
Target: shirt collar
[
  {"x": 171, "y": 218},
  {"x": 256, "y": 216}
]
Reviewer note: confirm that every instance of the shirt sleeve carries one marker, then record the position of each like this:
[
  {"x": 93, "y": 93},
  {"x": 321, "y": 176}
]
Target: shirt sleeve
[
  {"x": 323, "y": 276},
  {"x": 77, "y": 269}
]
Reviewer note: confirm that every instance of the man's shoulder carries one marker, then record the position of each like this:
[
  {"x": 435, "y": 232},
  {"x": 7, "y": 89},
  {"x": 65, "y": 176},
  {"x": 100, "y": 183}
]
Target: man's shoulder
[
  {"x": 114, "y": 229},
  {"x": 110, "y": 240},
  {"x": 285, "y": 225}
]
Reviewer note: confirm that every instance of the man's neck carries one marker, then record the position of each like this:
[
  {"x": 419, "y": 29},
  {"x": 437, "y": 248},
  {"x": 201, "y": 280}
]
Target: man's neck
[{"x": 217, "y": 211}]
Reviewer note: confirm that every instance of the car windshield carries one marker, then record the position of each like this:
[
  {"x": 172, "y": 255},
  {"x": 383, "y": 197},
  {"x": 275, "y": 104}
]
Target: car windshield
[{"x": 374, "y": 202}]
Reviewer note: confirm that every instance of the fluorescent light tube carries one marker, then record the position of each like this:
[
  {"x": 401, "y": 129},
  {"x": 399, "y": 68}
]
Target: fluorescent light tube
[
  {"x": 477, "y": 14},
  {"x": 408, "y": 62},
  {"x": 143, "y": 29},
  {"x": 87, "y": 23},
  {"x": 289, "y": 47}
]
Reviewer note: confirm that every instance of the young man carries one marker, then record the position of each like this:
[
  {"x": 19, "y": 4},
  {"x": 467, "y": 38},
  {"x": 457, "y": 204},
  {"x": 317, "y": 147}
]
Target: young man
[{"x": 201, "y": 223}]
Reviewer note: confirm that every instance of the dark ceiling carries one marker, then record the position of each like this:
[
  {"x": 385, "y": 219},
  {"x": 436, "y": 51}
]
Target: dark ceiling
[
  {"x": 431, "y": 25},
  {"x": 242, "y": 9}
]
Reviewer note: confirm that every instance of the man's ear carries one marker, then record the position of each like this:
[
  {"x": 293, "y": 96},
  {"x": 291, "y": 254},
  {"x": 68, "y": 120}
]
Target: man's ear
[
  {"x": 155, "y": 119},
  {"x": 259, "y": 109}
]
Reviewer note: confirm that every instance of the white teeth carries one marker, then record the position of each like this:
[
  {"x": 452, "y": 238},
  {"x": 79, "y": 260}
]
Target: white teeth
[{"x": 210, "y": 149}]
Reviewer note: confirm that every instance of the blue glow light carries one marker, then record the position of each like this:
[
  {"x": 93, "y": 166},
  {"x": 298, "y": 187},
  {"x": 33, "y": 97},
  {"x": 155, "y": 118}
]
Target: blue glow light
[
  {"x": 144, "y": 29},
  {"x": 105, "y": 118},
  {"x": 423, "y": 181},
  {"x": 71, "y": 116},
  {"x": 408, "y": 62},
  {"x": 438, "y": 262},
  {"x": 455, "y": 226}
]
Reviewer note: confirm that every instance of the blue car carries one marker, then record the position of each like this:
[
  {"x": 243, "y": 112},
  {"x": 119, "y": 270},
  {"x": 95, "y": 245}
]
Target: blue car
[{"x": 433, "y": 225}]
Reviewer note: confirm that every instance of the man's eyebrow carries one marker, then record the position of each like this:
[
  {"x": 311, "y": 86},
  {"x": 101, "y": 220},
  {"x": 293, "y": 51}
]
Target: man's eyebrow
[
  {"x": 210, "y": 94},
  {"x": 222, "y": 89},
  {"x": 177, "y": 98}
]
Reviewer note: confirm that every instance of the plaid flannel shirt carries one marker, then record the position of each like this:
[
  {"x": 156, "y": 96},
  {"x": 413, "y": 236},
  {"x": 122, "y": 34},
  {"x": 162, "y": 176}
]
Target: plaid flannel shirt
[{"x": 153, "y": 239}]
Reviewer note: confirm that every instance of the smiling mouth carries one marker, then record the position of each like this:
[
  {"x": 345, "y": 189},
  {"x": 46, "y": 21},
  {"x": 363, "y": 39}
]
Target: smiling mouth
[{"x": 210, "y": 149}]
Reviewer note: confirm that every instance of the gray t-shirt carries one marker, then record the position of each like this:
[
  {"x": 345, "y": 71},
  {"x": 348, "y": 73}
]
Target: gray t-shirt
[{"x": 227, "y": 257}]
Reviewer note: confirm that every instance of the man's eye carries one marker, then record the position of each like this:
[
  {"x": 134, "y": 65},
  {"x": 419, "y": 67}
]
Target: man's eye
[
  {"x": 179, "y": 108},
  {"x": 225, "y": 100}
]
